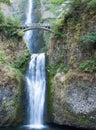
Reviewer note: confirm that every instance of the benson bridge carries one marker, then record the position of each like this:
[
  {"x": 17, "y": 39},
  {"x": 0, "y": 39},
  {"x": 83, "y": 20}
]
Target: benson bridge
[{"x": 44, "y": 26}]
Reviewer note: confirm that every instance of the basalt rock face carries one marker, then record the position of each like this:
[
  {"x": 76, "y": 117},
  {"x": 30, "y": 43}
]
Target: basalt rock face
[
  {"x": 11, "y": 82},
  {"x": 73, "y": 88},
  {"x": 11, "y": 92},
  {"x": 14, "y": 9},
  {"x": 13, "y": 52},
  {"x": 74, "y": 99}
]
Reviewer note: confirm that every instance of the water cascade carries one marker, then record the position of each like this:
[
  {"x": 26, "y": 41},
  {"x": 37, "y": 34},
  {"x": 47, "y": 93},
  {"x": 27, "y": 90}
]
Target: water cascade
[
  {"x": 35, "y": 79},
  {"x": 36, "y": 82},
  {"x": 28, "y": 21}
]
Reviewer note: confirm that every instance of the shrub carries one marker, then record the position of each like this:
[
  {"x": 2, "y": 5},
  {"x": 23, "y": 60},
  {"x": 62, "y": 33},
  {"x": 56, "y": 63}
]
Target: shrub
[
  {"x": 3, "y": 58},
  {"x": 58, "y": 28},
  {"x": 10, "y": 27},
  {"x": 88, "y": 66},
  {"x": 56, "y": 68},
  {"x": 6, "y": 1},
  {"x": 1, "y": 16},
  {"x": 21, "y": 62},
  {"x": 88, "y": 42},
  {"x": 92, "y": 4},
  {"x": 58, "y": 2}
]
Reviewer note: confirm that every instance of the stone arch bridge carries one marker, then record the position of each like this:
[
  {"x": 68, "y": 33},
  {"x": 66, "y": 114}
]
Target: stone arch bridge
[{"x": 44, "y": 26}]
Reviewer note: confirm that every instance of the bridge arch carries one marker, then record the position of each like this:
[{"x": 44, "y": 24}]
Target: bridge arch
[{"x": 32, "y": 28}]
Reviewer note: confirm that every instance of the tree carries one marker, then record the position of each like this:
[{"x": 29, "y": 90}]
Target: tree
[{"x": 5, "y": 1}]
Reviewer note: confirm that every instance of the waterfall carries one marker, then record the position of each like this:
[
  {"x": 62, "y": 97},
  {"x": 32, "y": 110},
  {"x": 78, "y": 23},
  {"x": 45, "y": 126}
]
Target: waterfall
[
  {"x": 35, "y": 79},
  {"x": 28, "y": 21},
  {"x": 36, "y": 83}
]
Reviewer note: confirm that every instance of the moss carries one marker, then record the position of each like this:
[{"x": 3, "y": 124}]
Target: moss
[
  {"x": 11, "y": 80},
  {"x": 72, "y": 58},
  {"x": 13, "y": 106},
  {"x": 80, "y": 119},
  {"x": 21, "y": 62},
  {"x": 50, "y": 91},
  {"x": 84, "y": 120},
  {"x": 19, "y": 111},
  {"x": 70, "y": 76},
  {"x": 73, "y": 46},
  {"x": 3, "y": 58},
  {"x": 78, "y": 31}
]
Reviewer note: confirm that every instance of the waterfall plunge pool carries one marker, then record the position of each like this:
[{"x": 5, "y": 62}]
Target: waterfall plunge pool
[{"x": 49, "y": 127}]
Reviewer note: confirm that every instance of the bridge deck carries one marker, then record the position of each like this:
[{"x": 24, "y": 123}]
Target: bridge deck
[{"x": 27, "y": 27}]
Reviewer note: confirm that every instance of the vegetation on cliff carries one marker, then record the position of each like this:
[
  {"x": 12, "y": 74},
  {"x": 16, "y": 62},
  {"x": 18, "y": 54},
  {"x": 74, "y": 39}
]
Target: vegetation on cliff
[
  {"x": 13, "y": 60},
  {"x": 6, "y": 1},
  {"x": 76, "y": 30},
  {"x": 72, "y": 54}
]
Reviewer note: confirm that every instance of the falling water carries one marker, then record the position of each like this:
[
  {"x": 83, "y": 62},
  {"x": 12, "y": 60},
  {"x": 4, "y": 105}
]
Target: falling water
[
  {"x": 36, "y": 83},
  {"x": 35, "y": 79},
  {"x": 28, "y": 21}
]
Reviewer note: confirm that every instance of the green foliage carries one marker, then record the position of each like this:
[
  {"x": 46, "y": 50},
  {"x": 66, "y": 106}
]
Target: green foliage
[
  {"x": 18, "y": 66},
  {"x": 56, "y": 68},
  {"x": 92, "y": 4},
  {"x": 88, "y": 66},
  {"x": 1, "y": 16},
  {"x": 16, "y": 73},
  {"x": 58, "y": 28},
  {"x": 50, "y": 89},
  {"x": 58, "y": 2},
  {"x": 6, "y": 2},
  {"x": 94, "y": 55},
  {"x": 57, "y": 24},
  {"x": 21, "y": 62},
  {"x": 88, "y": 42},
  {"x": 61, "y": 68},
  {"x": 8, "y": 25},
  {"x": 70, "y": 8},
  {"x": 3, "y": 58}
]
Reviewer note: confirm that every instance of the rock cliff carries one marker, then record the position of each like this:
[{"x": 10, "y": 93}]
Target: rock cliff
[
  {"x": 74, "y": 99},
  {"x": 13, "y": 59},
  {"x": 74, "y": 77},
  {"x": 11, "y": 81}
]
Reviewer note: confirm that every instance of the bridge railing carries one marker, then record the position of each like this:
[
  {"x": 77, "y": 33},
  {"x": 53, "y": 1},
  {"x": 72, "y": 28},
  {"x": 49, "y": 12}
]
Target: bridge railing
[
  {"x": 30, "y": 25},
  {"x": 25, "y": 27},
  {"x": 36, "y": 25}
]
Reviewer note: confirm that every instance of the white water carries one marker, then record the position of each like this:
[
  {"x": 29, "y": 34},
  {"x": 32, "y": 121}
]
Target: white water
[
  {"x": 35, "y": 79},
  {"x": 28, "y": 21},
  {"x": 36, "y": 83}
]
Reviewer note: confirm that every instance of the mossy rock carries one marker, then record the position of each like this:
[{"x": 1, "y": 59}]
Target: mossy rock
[{"x": 74, "y": 100}]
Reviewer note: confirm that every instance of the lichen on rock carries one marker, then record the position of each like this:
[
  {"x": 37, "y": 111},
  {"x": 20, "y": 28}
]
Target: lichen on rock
[
  {"x": 10, "y": 96},
  {"x": 74, "y": 100},
  {"x": 74, "y": 90},
  {"x": 12, "y": 67}
]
